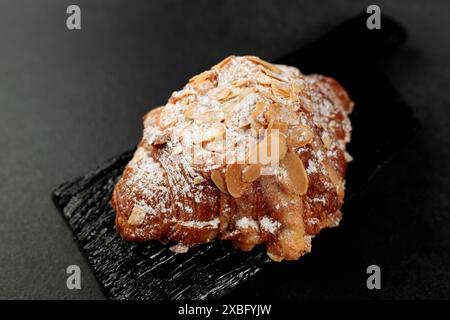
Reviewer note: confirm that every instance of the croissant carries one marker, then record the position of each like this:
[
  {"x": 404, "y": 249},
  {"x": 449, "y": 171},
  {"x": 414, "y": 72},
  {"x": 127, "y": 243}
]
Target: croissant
[{"x": 249, "y": 152}]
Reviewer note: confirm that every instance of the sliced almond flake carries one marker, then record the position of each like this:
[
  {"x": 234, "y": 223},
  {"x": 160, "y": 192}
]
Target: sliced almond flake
[
  {"x": 241, "y": 83},
  {"x": 256, "y": 126},
  {"x": 273, "y": 75},
  {"x": 336, "y": 180},
  {"x": 295, "y": 180},
  {"x": 296, "y": 88},
  {"x": 258, "y": 112},
  {"x": 219, "y": 180},
  {"x": 281, "y": 90},
  {"x": 264, "y": 82},
  {"x": 199, "y": 79},
  {"x": 223, "y": 62},
  {"x": 189, "y": 111},
  {"x": 267, "y": 96},
  {"x": 265, "y": 64},
  {"x": 278, "y": 125},
  {"x": 348, "y": 157},
  {"x": 326, "y": 140},
  {"x": 213, "y": 132},
  {"x": 223, "y": 94},
  {"x": 306, "y": 104},
  {"x": 273, "y": 113},
  {"x": 233, "y": 95},
  {"x": 251, "y": 172},
  {"x": 295, "y": 92},
  {"x": 179, "y": 95},
  {"x": 179, "y": 248},
  {"x": 137, "y": 216},
  {"x": 233, "y": 178},
  {"x": 299, "y": 136},
  {"x": 198, "y": 180}
]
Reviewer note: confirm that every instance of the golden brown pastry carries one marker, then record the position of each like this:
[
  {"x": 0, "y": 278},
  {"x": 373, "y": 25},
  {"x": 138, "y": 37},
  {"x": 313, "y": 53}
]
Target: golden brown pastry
[{"x": 248, "y": 152}]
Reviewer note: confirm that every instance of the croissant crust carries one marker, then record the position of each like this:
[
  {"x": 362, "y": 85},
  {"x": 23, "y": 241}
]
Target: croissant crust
[{"x": 198, "y": 173}]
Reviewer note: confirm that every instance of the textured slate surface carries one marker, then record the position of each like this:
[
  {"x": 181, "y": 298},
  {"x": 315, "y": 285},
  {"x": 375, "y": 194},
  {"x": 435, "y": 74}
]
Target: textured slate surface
[{"x": 150, "y": 271}]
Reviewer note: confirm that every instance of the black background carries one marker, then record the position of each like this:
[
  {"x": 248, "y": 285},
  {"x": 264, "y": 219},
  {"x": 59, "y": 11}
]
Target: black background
[{"x": 71, "y": 99}]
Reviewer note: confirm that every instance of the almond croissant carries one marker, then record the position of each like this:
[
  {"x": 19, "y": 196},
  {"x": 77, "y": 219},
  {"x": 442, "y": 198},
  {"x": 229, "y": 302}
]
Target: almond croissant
[{"x": 248, "y": 152}]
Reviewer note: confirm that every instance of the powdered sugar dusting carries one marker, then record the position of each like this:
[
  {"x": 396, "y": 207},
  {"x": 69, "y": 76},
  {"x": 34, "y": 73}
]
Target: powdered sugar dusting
[
  {"x": 269, "y": 225},
  {"x": 201, "y": 224},
  {"x": 245, "y": 222},
  {"x": 311, "y": 167}
]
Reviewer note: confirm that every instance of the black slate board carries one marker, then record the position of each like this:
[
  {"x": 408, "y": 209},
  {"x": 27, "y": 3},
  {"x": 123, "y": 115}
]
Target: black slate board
[{"x": 349, "y": 53}]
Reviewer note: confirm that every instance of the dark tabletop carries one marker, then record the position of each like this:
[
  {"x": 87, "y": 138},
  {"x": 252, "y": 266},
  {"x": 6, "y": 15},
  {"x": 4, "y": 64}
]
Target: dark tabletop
[{"x": 71, "y": 99}]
